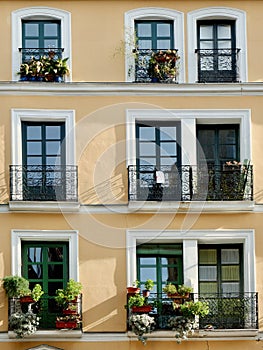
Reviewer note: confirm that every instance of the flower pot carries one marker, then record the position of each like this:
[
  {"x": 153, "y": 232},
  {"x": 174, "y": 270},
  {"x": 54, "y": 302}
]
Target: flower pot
[
  {"x": 133, "y": 290},
  {"x": 69, "y": 312},
  {"x": 146, "y": 293},
  {"x": 142, "y": 309},
  {"x": 26, "y": 299},
  {"x": 66, "y": 324}
]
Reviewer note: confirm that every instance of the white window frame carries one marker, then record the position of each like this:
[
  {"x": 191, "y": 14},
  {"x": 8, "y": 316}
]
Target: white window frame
[
  {"x": 42, "y": 115},
  {"x": 227, "y": 13},
  {"x": 190, "y": 240},
  {"x": 18, "y": 236},
  {"x": 152, "y": 13},
  {"x": 40, "y": 13}
]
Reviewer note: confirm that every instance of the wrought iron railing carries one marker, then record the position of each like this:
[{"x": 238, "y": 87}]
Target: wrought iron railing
[
  {"x": 28, "y": 53},
  {"x": 47, "y": 310},
  {"x": 218, "y": 65},
  {"x": 191, "y": 183},
  {"x": 43, "y": 183},
  {"x": 226, "y": 311},
  {"x": 142, "y": 73}
]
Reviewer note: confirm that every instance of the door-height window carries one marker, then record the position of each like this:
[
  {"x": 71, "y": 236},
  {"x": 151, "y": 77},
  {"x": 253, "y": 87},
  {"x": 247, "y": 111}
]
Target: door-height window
[
  {"x": 40, "y": 36},
  {"x": 43, "y": 152},
  {"x": 46, "y": 263},
  {"x": 217, "y": 52},
  {"x": 221, "y": 269},
  {"x": 161, "y": 263}
]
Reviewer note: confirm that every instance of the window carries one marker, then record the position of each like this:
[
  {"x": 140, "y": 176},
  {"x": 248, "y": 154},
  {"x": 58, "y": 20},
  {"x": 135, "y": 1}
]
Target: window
[
  {"x": 43, "y": 161},
  {"x": 161, "y": 263},
  {"x": 217, "y": 52},
  {"x": 43, "y": 157},
  {"x": 46, "y": 264},
  {"x": 39, "y": 27},
  {"x": 152, "y": 29},
  {"x": 217, "y": 45},
  {"x": 40, "y": 36}
]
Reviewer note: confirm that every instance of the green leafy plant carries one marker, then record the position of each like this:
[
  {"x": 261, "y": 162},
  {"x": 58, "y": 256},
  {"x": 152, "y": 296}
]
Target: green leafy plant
[
  {"x": 184, "y": 290},
  {"x": 16, "y": 286},
  {"x": 141, "y": 325},
  {"x": 149, "y": 284},
  {"x": 70, "y": 293},
  {"x": 37, "y": 292},
  {"x": 23, "y": 323},
  {"x": 195, "y": 308},
  {"x": 170, "y": 289},
  {"x": 136, "y": 300}
]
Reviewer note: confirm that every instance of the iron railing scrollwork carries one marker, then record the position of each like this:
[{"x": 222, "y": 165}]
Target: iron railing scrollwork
[
  {"x": 43, "y": 183},
  {"x": 37, "y": 53},
  {"x": 191, "y": 183},
  {"x": 218, "y": 65}
]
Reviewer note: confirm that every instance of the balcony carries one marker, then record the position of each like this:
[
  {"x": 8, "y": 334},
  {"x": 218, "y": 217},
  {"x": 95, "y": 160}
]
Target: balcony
[
  {"x": 226, "y": 311},
  {"x": 190, "y": 183},
  {"x": 47, "y": 313},
  {"x": 218, "y": 65},
  {"x": 44, "y": 183},
  {"x": 156, "y": 66}
]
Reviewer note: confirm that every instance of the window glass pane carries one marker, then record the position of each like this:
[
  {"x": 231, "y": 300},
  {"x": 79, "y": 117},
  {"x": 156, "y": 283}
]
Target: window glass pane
[
  {"x": 144, "y": 29},
  {"x": 163, "y": 44},
  {"x": 53, "y": 286},
  {"x": 208, "y": 288},
  {"x": 207, "y": 256},
  {"x": 168, "y": 148},
  {"x": 147, "y": 133},
  {"x": 145, "y": 44},
  {"x": 230, "y": 256},
  {"x": 207, "y": 273},
  {"x": 167, "y": 133},
  {"x": 32, "y": 44},
  {"x": 34, "y": 254},
  {"x": 224, "y": 44},
  {"x": 148, "y": 261},
  {"x": 230, "y": 273},
  {"x": 50, "y": 29},
  {"x": 163, "y": 29},
  {"x": 55, "y": 254},
  {"x": 224, "y": 31},
  {"x": 170, "y": 274},
  {"x": 51, "y": 43},
  {"x": 34, "y": 148},
  {"x": 230, "y": 288},
  {"x": 206, "y": 32},
  {"x": 53, "y": 132},
  {"x": 147, "y": 161},
  {"x": 206, "y": 137},
  {"x": 147, "y": 149},
  {"x": 227, "y": 136},
  {"x": 148, "y": 273},
  {"x": 53, "y": 147},
  {"x": 53, "y": 160},
  {"x": 207, "y": 45},
  {"x": 168, "y": 161},
  {"x": 34, "y": 132},
  {"x": 31, "y": 29},
  {"x": 34, "y": 160},
  {"x": 35, "y": 271},
  {"x": 55, "y": 271},
  {"x": 170, "y": 260},
  {"x": 227, "y": 151}
]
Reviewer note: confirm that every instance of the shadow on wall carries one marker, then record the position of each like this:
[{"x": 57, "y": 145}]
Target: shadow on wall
[{"x": 3, "y": 189}]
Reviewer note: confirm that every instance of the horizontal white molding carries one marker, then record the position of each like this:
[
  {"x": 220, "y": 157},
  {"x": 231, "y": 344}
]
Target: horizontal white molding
[
  {"x": 125, "y": 89},
  {"x": 44, "y": 206}
]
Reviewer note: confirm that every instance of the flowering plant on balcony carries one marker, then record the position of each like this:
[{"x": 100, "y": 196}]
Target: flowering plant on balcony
[
  {"x": 141, "y": 324},
  {"x": 46, "y": 68},
  {"x": 23, "y": 324},
  {"x": 163, "y": 65}
]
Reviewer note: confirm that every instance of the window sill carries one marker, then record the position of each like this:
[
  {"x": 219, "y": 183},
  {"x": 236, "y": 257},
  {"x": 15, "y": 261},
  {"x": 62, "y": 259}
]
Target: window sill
[
  {"x": 194, "y": 206},
  {"x": 52, "y": 334},
  {"x": 44, "y": 206}
]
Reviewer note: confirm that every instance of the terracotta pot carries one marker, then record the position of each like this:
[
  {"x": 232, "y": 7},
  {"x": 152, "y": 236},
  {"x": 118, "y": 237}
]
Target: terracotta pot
[
  {"x": 142, "y": 309},
  {"x": 133, "y": 290},
  {"x": 66, "y": 324},
  {"x": 26, "y": 299}
]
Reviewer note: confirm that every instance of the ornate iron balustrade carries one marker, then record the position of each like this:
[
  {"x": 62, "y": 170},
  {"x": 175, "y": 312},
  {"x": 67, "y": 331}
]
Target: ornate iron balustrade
[
  {"x": 226, "y": 311},
  {"x": 142, "y": 58},
  {"x": 43, "y": 183},
  {"x": 191, "y": 183},
  {"x": 37, "y": 53},
  {"x": 218, "y": 65},
  {"x": 47, "y": 310}
]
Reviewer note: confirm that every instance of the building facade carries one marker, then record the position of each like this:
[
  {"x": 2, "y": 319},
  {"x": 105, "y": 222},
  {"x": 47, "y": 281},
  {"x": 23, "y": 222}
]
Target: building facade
[{"x": 130, "y": 150}]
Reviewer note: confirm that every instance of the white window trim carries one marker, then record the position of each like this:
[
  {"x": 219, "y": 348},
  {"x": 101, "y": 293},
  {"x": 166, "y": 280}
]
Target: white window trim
[
  {"x": 39, "y": 13},
  {"x": 217, "y": 13},
  {"x": 153, "y": 13},
  {"x": 190, "y": 240},
  {"x": 17, "y": 236},
  {"x": 189, "y": 119},
  {"x": 42, "y": 115}
]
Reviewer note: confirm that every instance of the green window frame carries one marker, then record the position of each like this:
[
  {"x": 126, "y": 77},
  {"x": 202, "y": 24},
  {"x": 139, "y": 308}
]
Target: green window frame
[
  {"x": 162, "y": 263},
  {"x": 46, "y": 263},
  {"x": 220, "y": 268}
]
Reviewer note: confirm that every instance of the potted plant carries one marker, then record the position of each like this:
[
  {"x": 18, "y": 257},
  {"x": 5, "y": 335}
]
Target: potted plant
[
  {"x": 34, "y": 295},
  {"x": 149, "y": 284},
  {"x": 170, "y": 289},
  {"x": 138, "y": 303},
  {"x": 23, "y": 324},
  {"x": 68, "y": 296},
  {"x": 16, "y": 286},
  {"x": 163, "y": 65},
  {"x": 141, "y": 325},
  {"x": 134, "y": 288},
  {"x": 184, "y": 290}
]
